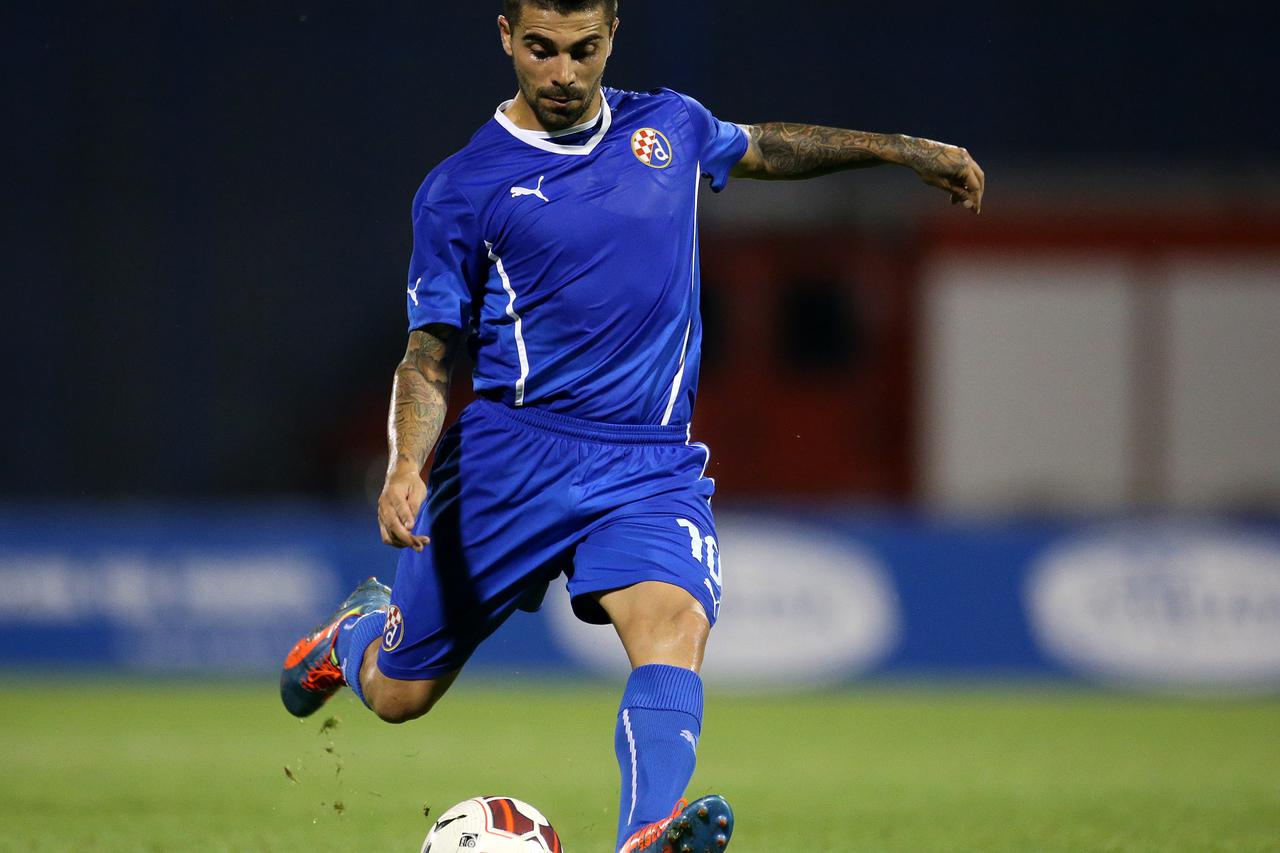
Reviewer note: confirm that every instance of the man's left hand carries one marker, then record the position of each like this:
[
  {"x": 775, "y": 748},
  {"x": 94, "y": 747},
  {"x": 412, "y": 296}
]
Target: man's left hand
[{"x": 950, "y": 168}]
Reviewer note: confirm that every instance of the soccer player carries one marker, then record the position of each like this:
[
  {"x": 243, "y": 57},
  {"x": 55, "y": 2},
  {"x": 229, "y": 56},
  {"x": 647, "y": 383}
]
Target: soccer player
[{"x": 560, "y": 246}]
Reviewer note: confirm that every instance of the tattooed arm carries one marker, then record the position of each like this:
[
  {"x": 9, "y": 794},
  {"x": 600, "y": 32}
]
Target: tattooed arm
[
  {"x": 419, "y": 397},
  {"x": 780, "y": 151}
]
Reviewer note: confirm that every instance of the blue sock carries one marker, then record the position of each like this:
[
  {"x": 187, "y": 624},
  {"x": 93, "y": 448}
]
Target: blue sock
[
  {"x": 659, "y": 723},
  {"x": 354, "y": 636}
]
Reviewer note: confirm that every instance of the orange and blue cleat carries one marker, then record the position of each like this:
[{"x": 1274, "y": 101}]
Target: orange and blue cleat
[
  {"x": 703, "y": 826},
  {"x": 311, "y": 674}
]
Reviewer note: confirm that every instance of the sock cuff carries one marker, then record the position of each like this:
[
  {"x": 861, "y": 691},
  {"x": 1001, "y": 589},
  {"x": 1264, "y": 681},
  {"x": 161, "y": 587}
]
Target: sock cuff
[
  {"x": 659, "y": 687},
  {"x": 357, "y": 638}
]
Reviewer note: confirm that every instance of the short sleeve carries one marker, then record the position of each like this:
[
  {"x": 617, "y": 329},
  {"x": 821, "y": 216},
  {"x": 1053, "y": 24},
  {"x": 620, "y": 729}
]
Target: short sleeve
[
  {"x": 446, "y": 272},
  {"x": 721, "y": 144}
]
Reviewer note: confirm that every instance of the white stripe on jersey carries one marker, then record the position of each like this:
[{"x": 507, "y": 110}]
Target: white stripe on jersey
[
  {"x": 706, "y": 461},
  {"x": 693, "y": 276},
  {"x": 511, "y": 312}
]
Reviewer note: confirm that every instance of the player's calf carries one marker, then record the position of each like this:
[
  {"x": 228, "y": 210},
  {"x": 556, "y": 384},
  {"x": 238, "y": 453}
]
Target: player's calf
[
  {"x": 313, "y": 669},
  {"x": 343, "y": 651}
]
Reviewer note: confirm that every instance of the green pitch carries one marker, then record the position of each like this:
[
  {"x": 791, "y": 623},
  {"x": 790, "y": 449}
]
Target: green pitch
[{"x": 145, "y": 766}]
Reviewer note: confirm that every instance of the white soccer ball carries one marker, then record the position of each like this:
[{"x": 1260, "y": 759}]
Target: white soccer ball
[{"x": 492, "y": 825}]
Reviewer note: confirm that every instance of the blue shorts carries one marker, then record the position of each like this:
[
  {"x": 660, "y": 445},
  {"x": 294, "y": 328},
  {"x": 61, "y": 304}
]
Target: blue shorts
[{"x": 518, "y": 496}]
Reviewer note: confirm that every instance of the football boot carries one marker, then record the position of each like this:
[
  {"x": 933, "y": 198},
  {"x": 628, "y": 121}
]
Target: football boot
[
  {"x": 311, "y": 673},
  {"x": 703, "y": 826}
]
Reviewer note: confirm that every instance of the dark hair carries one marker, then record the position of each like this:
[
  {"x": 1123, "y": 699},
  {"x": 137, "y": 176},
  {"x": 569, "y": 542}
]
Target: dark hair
[{"x": 511, "y": 8}]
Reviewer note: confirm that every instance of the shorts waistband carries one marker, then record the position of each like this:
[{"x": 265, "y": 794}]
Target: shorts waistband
[{"x": 578, "y": 428}]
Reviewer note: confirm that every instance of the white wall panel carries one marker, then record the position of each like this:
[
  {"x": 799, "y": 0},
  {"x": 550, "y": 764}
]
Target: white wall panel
[
  {"x": 1224, "y": 381},
  {"x": 1027, "y": 377}
]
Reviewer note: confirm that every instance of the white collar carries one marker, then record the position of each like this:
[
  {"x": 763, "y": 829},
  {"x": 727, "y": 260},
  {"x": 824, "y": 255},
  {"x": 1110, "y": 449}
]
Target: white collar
[{"x": 543, "y": 139}]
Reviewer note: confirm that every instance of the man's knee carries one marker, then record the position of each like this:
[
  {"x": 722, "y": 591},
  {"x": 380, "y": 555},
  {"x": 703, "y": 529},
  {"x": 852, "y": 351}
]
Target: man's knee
[
  {"x": 658, "y": 623},
  {"x": 684, "y": 623},
  {"x": 397, "y": 701},
  {"x": 397, "y": 707}
]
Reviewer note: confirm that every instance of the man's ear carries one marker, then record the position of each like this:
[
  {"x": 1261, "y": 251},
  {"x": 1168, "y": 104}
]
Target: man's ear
[
  {"x": 613, "y": 32},
  {"x": 504, "y": 32}
]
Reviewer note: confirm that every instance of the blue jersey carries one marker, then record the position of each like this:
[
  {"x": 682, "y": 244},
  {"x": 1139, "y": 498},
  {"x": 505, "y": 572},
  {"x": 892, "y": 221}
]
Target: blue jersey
[{"x": 570, "y": 259}]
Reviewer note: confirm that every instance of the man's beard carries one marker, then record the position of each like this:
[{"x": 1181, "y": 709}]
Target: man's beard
[{"x": 563, "y": 117}]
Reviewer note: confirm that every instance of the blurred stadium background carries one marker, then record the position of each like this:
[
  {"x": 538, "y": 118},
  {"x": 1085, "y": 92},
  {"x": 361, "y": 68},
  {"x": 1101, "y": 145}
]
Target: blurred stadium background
[{"x": 999, "y": 497}]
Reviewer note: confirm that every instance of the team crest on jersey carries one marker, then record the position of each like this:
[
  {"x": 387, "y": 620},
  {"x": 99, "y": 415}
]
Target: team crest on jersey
[
  {"x": 652, "y": 148},
  {"x": 393, "y": 633}
]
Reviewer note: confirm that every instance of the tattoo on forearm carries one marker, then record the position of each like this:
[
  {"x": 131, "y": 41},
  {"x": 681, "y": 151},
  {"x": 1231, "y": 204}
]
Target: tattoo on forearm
[
  {"x": 790, "y": 151},
  {"x": 419, "y": 396}
]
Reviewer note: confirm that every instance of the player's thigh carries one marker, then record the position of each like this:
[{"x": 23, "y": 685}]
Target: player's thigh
[
  {"x": 445, "y": 602},
  {"x": 494, "y": 513},
  {"x": 653, "y": 570}
]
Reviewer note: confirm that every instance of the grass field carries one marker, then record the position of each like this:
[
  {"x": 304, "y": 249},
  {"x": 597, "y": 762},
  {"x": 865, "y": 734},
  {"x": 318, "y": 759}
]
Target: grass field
[{"x": 151, "y": 766}]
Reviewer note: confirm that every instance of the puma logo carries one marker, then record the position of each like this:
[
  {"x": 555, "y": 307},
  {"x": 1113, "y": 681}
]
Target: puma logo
[{"x": 516, "y": 192}]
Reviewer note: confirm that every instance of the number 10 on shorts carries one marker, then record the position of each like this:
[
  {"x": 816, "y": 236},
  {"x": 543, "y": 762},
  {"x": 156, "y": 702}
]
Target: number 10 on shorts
[{"x": 701, "y": 545}]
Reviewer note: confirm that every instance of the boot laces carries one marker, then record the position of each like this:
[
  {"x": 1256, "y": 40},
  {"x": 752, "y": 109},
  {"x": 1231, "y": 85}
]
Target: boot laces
[
  {"x": 646, "y": 835},
  {"x": 324, "y": 677}
]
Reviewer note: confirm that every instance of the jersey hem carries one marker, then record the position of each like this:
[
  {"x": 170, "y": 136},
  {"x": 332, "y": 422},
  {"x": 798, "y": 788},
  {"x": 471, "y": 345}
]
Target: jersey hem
[{"x": 584, "y": 430}]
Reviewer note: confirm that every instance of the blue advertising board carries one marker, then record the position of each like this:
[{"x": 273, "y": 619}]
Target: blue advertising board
[{"x": 809, "y": 598}]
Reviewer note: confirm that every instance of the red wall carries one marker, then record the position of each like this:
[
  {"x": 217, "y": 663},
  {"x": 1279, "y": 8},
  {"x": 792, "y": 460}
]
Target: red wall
[{"x": 829, "y": 417}]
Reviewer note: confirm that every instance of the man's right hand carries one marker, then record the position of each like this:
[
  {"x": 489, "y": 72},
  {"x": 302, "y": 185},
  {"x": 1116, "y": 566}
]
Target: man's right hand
[
  {"x": 398, "y": 505},
  {"x": 419, "y": 397}
]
